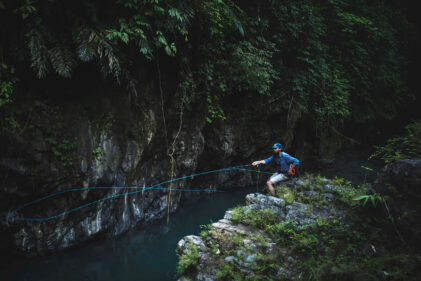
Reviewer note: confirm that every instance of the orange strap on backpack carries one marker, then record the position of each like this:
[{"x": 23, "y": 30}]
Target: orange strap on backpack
[{"x": 292, "y": 170}]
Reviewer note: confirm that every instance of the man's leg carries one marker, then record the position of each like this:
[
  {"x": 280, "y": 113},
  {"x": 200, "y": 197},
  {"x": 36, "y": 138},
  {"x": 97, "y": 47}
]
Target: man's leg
[
  {"x": 275, "y": 178},
  {"x": 270, "y": 187}
]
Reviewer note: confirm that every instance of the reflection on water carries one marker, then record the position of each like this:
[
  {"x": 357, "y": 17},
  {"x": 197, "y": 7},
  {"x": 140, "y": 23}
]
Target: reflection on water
[{"x": 143, "y": 254}]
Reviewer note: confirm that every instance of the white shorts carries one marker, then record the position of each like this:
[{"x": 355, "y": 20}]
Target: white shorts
[{"x": 277, "y": 177}]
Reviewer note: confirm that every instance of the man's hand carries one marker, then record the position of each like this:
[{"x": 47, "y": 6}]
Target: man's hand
[{"x": 255, "y": 163}]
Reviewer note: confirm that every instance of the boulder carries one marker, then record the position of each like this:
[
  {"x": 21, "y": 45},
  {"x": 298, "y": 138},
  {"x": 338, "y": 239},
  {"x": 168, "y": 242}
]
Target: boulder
[{"x": 399, "y": 183}]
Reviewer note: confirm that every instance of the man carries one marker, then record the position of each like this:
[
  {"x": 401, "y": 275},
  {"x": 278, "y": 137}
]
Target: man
[{"x": 285, "y": 164}]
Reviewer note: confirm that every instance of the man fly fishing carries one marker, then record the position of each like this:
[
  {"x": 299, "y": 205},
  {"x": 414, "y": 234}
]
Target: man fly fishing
[{"x": 285, "y": 164}]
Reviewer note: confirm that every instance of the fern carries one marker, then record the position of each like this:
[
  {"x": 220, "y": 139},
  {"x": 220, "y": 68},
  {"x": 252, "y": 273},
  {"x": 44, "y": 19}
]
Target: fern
[
  {"x": 373, "y": 198},
  {"x": 86, "y": 50},
  {"x": 59, "y": 57},
  {"x": 62, "y": 60},
  {"x": 93, "y": 44},
  {"x": 110, "y": 62},
  {"x": 38, "y": 51}
]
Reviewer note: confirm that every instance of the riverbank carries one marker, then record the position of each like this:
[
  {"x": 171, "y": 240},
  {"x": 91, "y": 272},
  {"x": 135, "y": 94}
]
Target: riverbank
[{"x": 314, "y": 229}]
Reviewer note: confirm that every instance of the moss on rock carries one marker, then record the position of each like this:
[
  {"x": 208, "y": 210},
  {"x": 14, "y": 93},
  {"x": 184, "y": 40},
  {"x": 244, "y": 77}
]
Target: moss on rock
[{"x": 323, "y": 234}]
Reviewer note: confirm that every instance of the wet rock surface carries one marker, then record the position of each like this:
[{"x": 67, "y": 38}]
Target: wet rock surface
[
  {"x": 233, "y": 241},
  {"x": 315, "y": 228}
]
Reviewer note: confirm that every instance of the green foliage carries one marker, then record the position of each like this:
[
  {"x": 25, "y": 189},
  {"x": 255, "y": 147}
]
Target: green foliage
[
  {"x": 335, "y": 61},
  {"x": 214, "y": 108},
  {"x": 6, "y": 90},
  {"x": 327, "y": 49},
  {"x": 205, "y": 231},
  {"x": 97, "y": 152},
  {"x": 373, "y": 198},
  {"x": 247, "y": 69},
  {"x": 337, "y": 181},
  {"x": 237, "y": 214},
  {"x": 401, "y": 147},
  {"x": 265, "y": 266},
  {"x": 228, "y": 63},
  {"x": 285, "y": 193},
  {"x": 251, "y": 68},
  {"x": 367, "y": 168},
  {"x": 260, "y": 218},
  {"x": 59, "y": 35},
  {"x": 61, "y": 149},
  {"x": 228, "y": 272},
  {"x": 221, "y": 17},
  {"x": 9, "y": 113},
  {"x": 188, "y": 260},
  {"x": 344, "y": 191}
]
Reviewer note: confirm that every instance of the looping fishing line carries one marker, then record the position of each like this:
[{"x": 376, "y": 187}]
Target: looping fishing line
[{"x": 12, "y": 217}]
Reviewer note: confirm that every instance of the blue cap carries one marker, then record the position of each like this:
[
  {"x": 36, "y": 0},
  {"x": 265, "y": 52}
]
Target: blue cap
[{"x": 277, "y": 145}]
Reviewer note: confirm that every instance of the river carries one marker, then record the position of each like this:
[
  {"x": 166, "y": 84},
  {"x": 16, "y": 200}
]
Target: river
[
  {"x": 149, "y": 253},
  {"x": 141, "y": 254}
]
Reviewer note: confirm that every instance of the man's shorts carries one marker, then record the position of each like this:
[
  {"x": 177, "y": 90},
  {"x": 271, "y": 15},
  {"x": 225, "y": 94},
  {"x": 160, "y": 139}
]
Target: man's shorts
[{"x": 277, "y": 177}]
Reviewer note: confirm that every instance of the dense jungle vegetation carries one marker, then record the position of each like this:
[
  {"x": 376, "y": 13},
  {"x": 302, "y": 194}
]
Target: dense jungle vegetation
[
  {"x": 338, "y": 61},
  {"x": 347, "y": 68}
]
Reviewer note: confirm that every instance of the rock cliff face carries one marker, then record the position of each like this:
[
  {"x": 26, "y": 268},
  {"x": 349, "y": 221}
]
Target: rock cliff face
[
  {"x": 109, "y": 141},
  {"x": 67, "y": 146}
]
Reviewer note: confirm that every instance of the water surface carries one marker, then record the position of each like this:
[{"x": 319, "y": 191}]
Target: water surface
[{"x": 140, "y": 254}]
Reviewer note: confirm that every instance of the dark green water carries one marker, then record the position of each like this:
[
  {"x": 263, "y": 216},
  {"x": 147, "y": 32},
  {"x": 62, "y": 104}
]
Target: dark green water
[
  {"x": 352, "y": 166},
  {"x": 141, "y": 254}
]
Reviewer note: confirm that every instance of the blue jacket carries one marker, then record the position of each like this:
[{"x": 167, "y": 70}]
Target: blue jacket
[{"x": 283, "y": 161}]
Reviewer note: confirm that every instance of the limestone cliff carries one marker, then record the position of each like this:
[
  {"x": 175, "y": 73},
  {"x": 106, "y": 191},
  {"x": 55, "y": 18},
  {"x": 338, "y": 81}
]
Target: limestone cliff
[{"x": 109, "y": 140}]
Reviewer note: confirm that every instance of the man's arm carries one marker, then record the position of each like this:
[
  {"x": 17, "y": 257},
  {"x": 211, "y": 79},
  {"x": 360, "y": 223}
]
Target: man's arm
[
  {"x": 265, "y": 161},
  {"x": 291, "y": 160},
  {"x": 294, "y": 162},
  {"x": 258, "y": 162}
]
